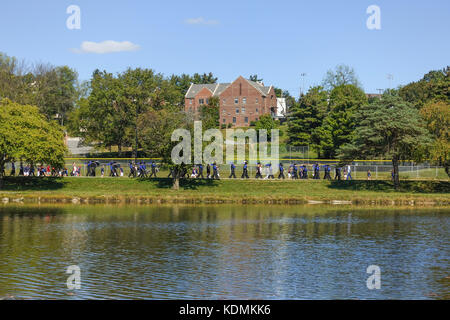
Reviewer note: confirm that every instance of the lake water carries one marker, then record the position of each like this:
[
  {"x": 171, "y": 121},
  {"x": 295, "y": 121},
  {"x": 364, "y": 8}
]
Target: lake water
[{"x": 223, "y": 252}]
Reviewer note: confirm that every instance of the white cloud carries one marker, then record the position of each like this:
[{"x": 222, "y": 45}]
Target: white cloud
[
  {"x": 108, "y": 46},
  {"x": 200, "y": 20}
]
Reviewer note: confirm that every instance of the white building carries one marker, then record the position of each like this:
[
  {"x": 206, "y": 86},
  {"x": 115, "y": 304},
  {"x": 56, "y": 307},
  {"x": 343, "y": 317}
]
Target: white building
[{"x": 281, "y": 108}]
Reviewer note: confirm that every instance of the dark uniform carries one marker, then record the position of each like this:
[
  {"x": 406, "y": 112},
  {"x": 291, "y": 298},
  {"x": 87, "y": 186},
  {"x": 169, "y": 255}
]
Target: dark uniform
[
  {"x": 281, "y": 174},
  {"x": 200, "y": 171},
  {"x": 208, "y": 171},
  {"x": 153, "y": 170},
  {"x": 337, "y": 173},
  {"x": 232, "y": 174},
  {"x": 13, "y": 169},
  {"x": 258, "y": 171},
  {"x": 132, "y": 170},
  {"x": 245, "y": 171}
]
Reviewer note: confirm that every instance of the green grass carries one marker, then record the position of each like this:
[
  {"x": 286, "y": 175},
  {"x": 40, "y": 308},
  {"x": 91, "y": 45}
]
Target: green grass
[{"x": 237, "y": 191}]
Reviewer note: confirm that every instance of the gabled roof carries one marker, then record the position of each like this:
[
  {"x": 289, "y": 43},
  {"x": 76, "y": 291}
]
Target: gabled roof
[
  {"x": 217, "y": 88},
  {"x": 260, "y": 87}
]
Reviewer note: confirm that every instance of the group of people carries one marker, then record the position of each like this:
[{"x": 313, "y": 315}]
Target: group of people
[
  {"x": 38, "y": 171},
  {"x": 140, "y": 170}
]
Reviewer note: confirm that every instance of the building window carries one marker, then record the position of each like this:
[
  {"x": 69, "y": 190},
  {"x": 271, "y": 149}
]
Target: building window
[
  {"x": 244, "y": 100},
  {"x": 223, "y": 120},
  {"x": 237, "y": 110},
  {"x": 246, "y": 119},
  {"x": 256, "y": 100},
  {"x": 224, "y": 111},
  {"x": 207, "y": 101},
  {"x": 243, "y": 110},
  {"x": 224, "y": 101},
  {"x": 256, "y": 119},
  {"x": 256, "y": 110},
  {"x": 201, "y": 101},
  {"x": 234, "y": 119},
  {"x": 236, "y": 100},
  {"x": 190, "y": 101}
]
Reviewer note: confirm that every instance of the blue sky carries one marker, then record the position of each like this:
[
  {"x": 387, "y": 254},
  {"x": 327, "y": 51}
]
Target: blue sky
[{"x": 278, "y": 40}]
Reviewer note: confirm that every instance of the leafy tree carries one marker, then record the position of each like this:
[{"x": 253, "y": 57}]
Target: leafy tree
[
  {"x": 52, "y": 89},
  {"x": 210, "y": 114},
  {"x": 25, "y": 134},
  {"x": 268, "y": 123},
  {"x": 390, "y": 128},
  {"x": 437, "y": 117},
  {"x": 155, "y": 132},
  {"x": 434, "y": 86},
  {"x": 104, "y": 117},
  {"x": 307, "y": 115},
  {"x": 204, "y": 78},
  {"x": 339, "y": 124},
  {"x": 342, "y": 75}
]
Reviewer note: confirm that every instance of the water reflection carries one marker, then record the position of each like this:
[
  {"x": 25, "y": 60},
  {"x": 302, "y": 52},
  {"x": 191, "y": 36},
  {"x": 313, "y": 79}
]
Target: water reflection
[{"x": 223, "y": 252}]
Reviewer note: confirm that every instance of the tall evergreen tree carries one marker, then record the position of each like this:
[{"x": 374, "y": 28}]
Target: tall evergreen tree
[
  {"x": 306, "y": 115},
  {"x": 339, "y": 124},
  {"x": 389, "y": 128}
]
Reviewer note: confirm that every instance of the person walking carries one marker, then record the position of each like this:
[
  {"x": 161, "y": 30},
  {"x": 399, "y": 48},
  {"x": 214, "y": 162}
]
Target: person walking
[
  {"x": 215, "y": 171},
  {"x": 200, "y": 172},
  {"x": 258, "y": 171},
  {"x": 337, "y": 175},
  {"x": 349, "y": 173},
  {"x": 245, "y": 171},
  {"x": 208, "y": 171},
  {"x": 153, "y": 165},
  {"x": 232, "y": 168},
  {"x": 270, "y": 173},
  {"x": 13, "y": 169},
  {"x": 281, "y": 174}
]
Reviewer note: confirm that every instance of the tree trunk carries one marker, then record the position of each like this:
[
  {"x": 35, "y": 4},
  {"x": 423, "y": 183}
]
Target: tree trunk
[
  {"x": 2, "y": 171},
  {"x": 176, "y": 183},
  {"x": 119, "y": 150},
  {"x": 176, "y": 178},
  {"x": 396, "y": 173}
]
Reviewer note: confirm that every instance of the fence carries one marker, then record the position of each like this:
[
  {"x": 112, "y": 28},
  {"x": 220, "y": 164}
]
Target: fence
[{"x": 379, "y": 169}]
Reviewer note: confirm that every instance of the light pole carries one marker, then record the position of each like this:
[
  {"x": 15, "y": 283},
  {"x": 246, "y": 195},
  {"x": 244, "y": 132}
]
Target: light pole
[
  {"x": 302, "y": 75},
  {"x": 390, "y": 78}
]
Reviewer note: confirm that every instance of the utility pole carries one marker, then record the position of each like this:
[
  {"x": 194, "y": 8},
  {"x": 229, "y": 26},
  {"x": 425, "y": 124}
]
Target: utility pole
[
  {"x": 303, "y": 75},
  {"x": 390, "y": 78}
]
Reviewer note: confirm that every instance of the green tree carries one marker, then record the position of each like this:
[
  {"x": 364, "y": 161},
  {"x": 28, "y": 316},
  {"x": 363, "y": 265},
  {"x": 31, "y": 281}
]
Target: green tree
[
  {"x": 339, "y": 124},
  {"x": 266, "y": 122},
  {"x": 307, "y": 115},
  {"x": 434, "y": 86},
  {"x": 209, "y": 114},
  {"x": 389, "y": 128},
  {"x": 155, "y": 132},
  {"x": 25, "y": 134},
  {"x": 341, "y": 75},
  {"x": 437, "y": 117}
]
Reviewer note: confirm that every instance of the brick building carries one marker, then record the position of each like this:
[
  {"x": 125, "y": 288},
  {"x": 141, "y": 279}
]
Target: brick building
[{"x": 241, "y": 101}]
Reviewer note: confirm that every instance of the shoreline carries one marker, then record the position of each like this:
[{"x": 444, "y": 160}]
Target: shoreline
[{"x": 244, "y": 192}]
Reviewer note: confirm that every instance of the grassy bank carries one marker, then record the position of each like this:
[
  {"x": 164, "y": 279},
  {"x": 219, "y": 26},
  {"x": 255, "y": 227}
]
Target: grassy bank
[{"x": 230, "y": 191}]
